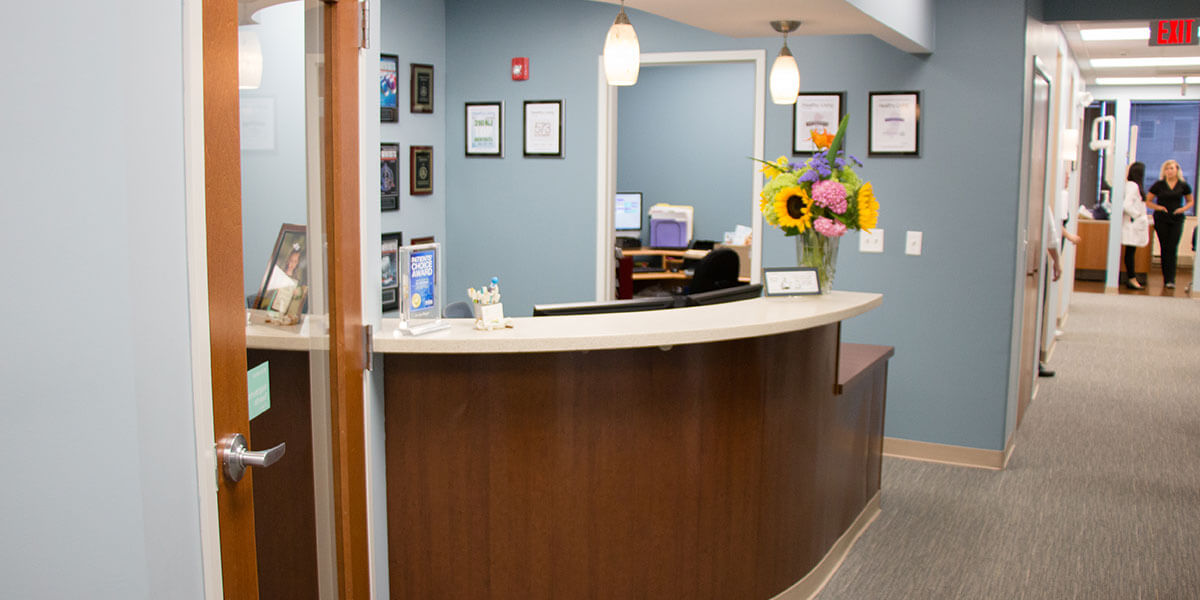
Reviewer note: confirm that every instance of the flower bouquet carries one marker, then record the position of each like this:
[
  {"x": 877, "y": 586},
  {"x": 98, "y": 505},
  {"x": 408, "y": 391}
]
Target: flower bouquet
[{"x": 819, "y": 201}]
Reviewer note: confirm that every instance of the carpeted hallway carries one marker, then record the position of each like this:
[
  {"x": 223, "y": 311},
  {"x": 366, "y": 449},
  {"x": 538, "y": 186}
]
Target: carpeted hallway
[{"x": 1101, "y": 499}]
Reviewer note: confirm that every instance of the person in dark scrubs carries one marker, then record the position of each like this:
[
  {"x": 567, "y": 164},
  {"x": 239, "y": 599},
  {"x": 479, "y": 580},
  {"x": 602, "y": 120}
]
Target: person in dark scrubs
[{"x": 1170, "y": 197}]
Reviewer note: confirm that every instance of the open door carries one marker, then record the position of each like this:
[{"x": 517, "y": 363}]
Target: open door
[
  {"x": 1038, "y": 140},
  {"x": 332, "y": 46}
]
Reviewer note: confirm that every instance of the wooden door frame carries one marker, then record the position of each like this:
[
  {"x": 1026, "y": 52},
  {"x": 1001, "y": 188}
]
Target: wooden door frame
[{"x": 217, "y": 303}]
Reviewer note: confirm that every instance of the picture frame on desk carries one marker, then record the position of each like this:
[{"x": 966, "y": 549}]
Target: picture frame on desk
[
  {"x": 420, "y": 170},
  {"x": 894, "y": 124},
  {"x": 420, "y": 88},
  {"x": 815, "y": 110},
  {"x": 285, "y": 282},
  {"x": 390, "y": 270},
  {"x": 791, "y": 281}
]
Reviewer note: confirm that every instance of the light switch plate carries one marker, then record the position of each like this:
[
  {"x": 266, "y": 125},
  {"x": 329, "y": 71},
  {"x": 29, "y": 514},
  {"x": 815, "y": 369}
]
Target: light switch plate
[
  {"x": 870, "y": 242},
  {"x": 912, "y": 243}
]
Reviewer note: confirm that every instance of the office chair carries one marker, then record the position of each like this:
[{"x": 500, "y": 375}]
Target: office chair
[
  {"x": 458, "y": 310},
  {"x": 718, "y": 269}
]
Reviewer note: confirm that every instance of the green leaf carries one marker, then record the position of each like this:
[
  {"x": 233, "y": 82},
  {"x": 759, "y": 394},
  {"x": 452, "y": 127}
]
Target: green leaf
[{"x": 836, "y": 144}]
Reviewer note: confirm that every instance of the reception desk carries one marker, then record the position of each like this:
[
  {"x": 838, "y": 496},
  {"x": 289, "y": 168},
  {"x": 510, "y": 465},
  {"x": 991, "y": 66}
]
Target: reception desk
[{"x": 726, "y": 451}]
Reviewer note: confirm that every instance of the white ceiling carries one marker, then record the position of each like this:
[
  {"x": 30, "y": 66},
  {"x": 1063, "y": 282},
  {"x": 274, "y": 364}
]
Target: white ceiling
[
  {"x": 1085, "y": 51},
  {"x": 752, "y": 18}
]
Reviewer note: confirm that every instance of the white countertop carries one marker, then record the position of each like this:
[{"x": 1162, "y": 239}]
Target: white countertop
[{"x": 732, "y": 320}]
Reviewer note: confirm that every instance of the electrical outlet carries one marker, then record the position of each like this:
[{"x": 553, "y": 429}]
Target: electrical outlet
[
  {"x": 870, "y": 242},
  {"x": 912, "y": 243}
]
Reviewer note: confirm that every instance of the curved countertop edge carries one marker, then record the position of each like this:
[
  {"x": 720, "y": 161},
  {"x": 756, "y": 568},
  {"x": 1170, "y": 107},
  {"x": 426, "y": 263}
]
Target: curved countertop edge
[{"x": 668, "y": 327}]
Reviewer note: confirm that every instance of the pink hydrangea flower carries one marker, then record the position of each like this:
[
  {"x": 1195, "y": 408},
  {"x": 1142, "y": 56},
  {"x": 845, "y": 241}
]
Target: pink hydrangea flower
[
  {"x": 830, "y": 194},
  {"x": 828, "y": 227}
]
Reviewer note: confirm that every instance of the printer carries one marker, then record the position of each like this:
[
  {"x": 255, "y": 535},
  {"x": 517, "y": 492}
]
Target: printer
[{"x": 670, "y": 226}]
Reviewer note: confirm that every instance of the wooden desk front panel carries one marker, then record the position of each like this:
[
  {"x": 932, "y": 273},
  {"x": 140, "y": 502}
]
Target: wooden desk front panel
[
  {"x": 1092, "y": 252},
  {"x": 718, "y": 470}
]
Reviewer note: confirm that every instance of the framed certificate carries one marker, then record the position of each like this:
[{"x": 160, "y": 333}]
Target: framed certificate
[
  {"x": 791, "y": 281},
  {"x": 420, "y": 170},
  {"x": 543, "y": 134},
  {"x": 818, "y": 110},
  {"x": 389, "y": 177},
  {"x": 420, "y": 84},
  {"x": 389, "y": 64},
  {"x": 894, "y": 124},
  {"x": 390, "y": 270},
  {"x": 484, "y": 129}
]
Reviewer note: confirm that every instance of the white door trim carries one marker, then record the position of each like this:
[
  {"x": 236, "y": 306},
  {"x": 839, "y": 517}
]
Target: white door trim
[{"x": 606, "y": 155}]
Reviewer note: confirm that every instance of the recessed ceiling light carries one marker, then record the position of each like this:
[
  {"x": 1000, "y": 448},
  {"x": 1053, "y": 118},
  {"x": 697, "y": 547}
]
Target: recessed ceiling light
[
  {"x": 1145, "y": 61},
  {"x": 1144, "y": 80},
  {"x": 1124, "y": 33}
]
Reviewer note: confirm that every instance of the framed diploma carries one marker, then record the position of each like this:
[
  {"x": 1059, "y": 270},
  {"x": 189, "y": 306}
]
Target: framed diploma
[
  {"x": 543, "y": 134},
  {"x": 389, "y": 64},
  {"x": 420, "y": 170},
  {"x": 389, "y": 177},
  {"x": 484, "y": 129},
  {"x": 791, "y": 281},
  {"x": 818, "y": 110},
  {"x": 390, "y": 270},
  {"x": 894, "y": 124},
  {"x": 420, "y": 85}
]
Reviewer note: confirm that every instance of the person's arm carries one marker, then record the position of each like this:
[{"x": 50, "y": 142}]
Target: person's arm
[
  {"x": 1152, "y": 204},
  {"x": 1056, "y": 268},
  {"x": 1191, "y": 199},
  {"x": 1132, "y": 201}
]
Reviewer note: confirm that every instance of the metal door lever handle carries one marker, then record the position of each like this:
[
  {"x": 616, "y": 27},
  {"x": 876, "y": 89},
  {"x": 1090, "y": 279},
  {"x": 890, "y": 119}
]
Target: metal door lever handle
[{"x": 235, "y": 456}]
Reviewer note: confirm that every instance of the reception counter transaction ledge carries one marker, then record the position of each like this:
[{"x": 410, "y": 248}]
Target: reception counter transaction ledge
[{"x": 724, "y": 451}]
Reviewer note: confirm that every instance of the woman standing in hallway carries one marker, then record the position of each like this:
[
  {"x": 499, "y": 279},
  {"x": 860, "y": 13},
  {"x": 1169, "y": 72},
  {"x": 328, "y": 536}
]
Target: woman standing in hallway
[
  {"x": 1167, "y": 197},
  {"x": 1135, "y": 225}
]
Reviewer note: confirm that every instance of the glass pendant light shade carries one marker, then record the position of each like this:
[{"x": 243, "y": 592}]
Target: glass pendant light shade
[
  {"x": 785, "y": 78},
  {"x": 250, "y": 60},
  {"x": 622, "y": 54}
]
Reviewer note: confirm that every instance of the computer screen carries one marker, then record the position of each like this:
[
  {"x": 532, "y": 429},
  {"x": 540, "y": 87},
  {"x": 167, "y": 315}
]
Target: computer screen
[
  {"x": 729, "y": 294},
  {"x": 627, "y": 211},
  {"x": 611, "y": 306}
]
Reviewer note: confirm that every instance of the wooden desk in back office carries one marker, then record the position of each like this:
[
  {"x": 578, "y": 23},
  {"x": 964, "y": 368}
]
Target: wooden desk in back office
[
  {"x": 672, "y": 272},
  {"x": 1092, "y": 253}
]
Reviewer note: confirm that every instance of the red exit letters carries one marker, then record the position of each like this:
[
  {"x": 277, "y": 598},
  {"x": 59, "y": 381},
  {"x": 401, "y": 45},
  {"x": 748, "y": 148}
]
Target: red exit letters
[{"x": 1174, "y": 32}]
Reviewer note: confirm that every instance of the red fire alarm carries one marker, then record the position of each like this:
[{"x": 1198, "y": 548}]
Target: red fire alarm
[{"x": 520, "y": 68}]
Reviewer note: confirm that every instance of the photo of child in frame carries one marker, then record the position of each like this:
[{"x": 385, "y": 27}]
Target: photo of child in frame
[{"x": 285, "y": 283}]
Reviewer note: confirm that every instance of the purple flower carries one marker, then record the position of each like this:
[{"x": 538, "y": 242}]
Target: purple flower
[
  {"x": 828, "y": 227},
  {"x": 831, "y": 195},
  {"x": 809, "y": 176}
]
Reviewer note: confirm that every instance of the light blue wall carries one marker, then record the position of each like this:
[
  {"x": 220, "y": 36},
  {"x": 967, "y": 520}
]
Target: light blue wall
[
  {"x": 665, "y": 132},
  {"x": 99, "y": 468},
  {"x": 948, "y": 312},
  {"x": 274, "y": 191},
  {"x": 415, "y": 31}
]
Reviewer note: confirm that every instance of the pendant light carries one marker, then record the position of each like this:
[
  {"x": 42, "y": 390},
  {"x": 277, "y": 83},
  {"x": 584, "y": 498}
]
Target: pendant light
[
  {"x": 622, "y": 54},
  {"x": 250, "y": 59},
  {"x": 785, "y": 75}
]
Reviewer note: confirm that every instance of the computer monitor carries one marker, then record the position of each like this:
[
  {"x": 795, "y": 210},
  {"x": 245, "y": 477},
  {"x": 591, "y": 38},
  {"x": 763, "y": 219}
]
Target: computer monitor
[
  {"x": 729, "y": 294},
  {"x": 611, "y": 306},
  {"x": 627, "y": 211}
]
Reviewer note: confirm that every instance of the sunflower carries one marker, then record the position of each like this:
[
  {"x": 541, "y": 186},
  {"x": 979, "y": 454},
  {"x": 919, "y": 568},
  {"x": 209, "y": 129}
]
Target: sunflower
[
  {"x": 793, "y": 207},
  {"x": 868, "y": 207}
]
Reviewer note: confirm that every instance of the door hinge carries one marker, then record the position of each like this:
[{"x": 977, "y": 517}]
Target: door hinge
[
  {"x": 364, "y": 23},
  {"x": 368, "y": 347}
]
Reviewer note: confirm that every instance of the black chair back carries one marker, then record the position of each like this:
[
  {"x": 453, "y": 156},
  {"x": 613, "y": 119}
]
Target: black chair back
[{"x": 717, "y": 270}]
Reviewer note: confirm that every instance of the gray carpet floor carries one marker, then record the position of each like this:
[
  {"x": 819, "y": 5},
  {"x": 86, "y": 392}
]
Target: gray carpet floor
[{"x": 1101, "y": 498}]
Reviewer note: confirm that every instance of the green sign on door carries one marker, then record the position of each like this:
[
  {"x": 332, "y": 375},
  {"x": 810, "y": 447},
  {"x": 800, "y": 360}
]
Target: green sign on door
[{"x": 258, "y": 382}]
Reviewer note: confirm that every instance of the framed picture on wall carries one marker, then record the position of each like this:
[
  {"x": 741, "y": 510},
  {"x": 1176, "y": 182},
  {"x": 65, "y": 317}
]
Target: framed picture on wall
[
  {"x": 420, "y": 170},
  {"x": 390, "y": 270},
  {"x": 420, "y": 85},
  {"x": 543, "y": 134},
  {"x": 894, "y": 124},
  {"x": 821, "y": 111},
  {"x": 389, "y": 65},
  {"x": 484, "y": 129},
  {"x": 389, "y": 177}
]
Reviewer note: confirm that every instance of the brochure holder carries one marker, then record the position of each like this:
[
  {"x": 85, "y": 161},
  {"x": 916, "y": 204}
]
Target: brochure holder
[{"x": 421, "y": 289}]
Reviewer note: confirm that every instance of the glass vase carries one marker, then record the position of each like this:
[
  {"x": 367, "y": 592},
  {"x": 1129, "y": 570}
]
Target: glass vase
[{"x": 819, "y": 251}]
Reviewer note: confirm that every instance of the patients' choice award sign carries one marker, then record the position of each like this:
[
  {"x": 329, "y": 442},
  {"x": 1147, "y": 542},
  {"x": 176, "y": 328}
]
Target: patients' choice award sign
[
  {"x": 421, "y": 289},
  {"x": 791, "y": 281}
]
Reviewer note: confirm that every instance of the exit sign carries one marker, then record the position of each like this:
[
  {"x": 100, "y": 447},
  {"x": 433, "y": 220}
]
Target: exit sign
[{"x": 1174, "y": 32}]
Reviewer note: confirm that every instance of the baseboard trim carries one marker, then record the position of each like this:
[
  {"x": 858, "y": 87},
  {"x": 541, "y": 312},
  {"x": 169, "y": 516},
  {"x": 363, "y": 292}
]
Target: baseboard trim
[
  {"x": 812, "y": 584},
  {"x": 942, "y": 453}
]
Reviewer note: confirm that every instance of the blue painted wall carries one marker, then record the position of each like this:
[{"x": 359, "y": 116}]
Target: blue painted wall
[
  {"x": 948, "y": 312},
  {"x": 665, "y": 130}
]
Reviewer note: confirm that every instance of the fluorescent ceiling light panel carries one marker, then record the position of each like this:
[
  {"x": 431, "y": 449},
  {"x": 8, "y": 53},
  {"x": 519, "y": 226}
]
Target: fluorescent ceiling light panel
[
  {"x": 1107, "y": 35},
  {"x": 1145, "y": 61},
  {"x": 1145, "y": 80}
]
